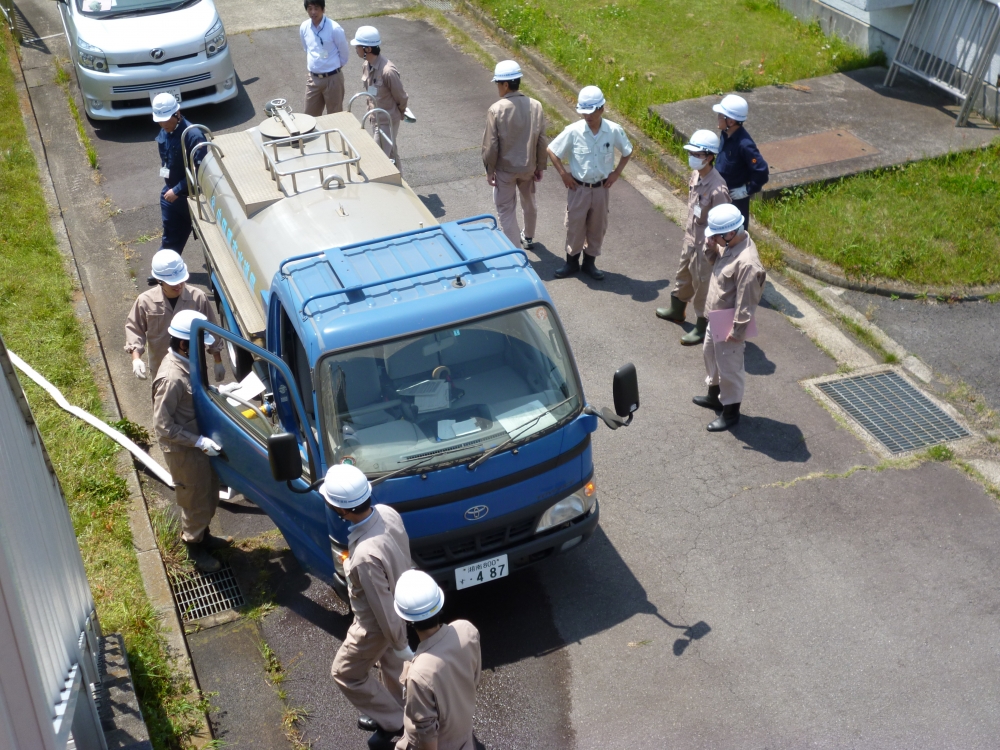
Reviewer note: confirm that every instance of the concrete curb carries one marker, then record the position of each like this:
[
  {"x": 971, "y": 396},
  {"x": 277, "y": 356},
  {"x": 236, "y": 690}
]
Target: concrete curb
[
  {"x": 151, "y": 568},
  {"x": 792, "y": 256}
]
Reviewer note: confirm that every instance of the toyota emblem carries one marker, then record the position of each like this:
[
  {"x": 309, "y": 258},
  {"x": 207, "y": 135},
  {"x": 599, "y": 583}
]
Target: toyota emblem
[
  {"x": 156, "y": 54},
  {"x": 476, "y": 512}
]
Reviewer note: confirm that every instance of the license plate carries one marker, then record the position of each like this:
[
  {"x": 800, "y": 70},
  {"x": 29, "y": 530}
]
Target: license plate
[
  {"x": 481, "y": 572},
  {"x": 175, "y": 92}
]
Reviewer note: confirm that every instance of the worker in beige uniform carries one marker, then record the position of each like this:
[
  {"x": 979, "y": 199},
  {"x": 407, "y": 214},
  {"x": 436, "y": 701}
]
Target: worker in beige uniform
[
  {"x": 589, "y": 146},
  {"x": 378, "y": 554},
  {"x": 514, "y": 153},
  {"x": 187, "y": 451},
  {"x": 737, "y": 283},
  {"x": 148, "y": 321},
  {"x": 440, "y": 681},
  {"x": 380, "y": 79},
  {"x": 706, "y": 190}
]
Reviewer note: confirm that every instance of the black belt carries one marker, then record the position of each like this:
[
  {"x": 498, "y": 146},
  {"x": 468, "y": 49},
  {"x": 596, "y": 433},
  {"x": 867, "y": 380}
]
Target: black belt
[
  {"x": 590, "y": 184},
  {"x": 324, "y": 75}
]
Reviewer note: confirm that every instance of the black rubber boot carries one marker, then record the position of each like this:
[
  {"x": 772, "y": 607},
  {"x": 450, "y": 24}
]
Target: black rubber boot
[
  {"x": 711, "y": 401},
  {"x": 590, "y": 268},
  {"x": 202, "y": 559},
  {"x": 675, "y": 312},
  {"x": 729, "y": 417},
  {"x": 697, "y": 334},
  {"x": 367, "y": 724},
  {"x": 383, "y": 739},
  {"x": 571, "y": 266}
]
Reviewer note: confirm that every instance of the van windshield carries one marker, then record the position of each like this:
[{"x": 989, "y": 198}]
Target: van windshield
[
  {"x": 112, "y": 8},
  {"x": 446, "y": 396}
]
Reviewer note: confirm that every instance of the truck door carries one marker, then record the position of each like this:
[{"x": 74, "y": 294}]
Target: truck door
[{"x": 242, "y": 428}]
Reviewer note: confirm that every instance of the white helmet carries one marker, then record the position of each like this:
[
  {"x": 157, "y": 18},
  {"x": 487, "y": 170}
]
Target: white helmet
[
  {"x": 417, "y": 596},
  {"x": 590, "y": 99},
  {"x": 704, "y": 140},
  {"x": 366, "y": 36},
  {"x": 724, "y": 219},
  {"x": 506, "y": 70},
  {"x": 732, "y": 106},
  {"x": 180, "y": 325},
  {"x": 345, "y": 486},
  {"x": 165, "y": 106},
  {"x": 169, "y": 268}
]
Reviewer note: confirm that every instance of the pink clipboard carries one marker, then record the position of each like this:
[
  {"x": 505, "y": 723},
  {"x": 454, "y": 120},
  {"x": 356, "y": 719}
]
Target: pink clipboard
[{"x": 721, "y": 324}]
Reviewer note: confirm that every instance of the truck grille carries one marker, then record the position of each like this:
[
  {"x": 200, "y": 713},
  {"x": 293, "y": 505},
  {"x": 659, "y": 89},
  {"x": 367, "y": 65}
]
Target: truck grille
[
  {"x": 161, "y": 84},
  {"x": 475, "y": 545}
]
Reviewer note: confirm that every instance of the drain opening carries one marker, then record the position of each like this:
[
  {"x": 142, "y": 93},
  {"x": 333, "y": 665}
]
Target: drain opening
[
  {"x": 888, "y": 407},
  {"x": 202, "y": 594}
]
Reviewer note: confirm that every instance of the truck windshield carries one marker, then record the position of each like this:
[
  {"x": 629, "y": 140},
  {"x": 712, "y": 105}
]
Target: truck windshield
[
  {"x": 446, "y": 396},
  {"x": 114, "y": 8}
]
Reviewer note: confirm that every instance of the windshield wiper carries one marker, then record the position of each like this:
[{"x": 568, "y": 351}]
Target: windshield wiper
[
  {"x": 520, "y": 430},
  {"x": 421, "y": 462}
]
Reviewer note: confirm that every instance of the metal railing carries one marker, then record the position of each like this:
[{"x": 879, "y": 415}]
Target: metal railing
[
  {"x": 373, "y": 115},
  {"x": 194, "y": 175},
  {"x": 272, "y": 160},
  {"x": 949, "y": 44},
  {"x": 48, "y": 627}
]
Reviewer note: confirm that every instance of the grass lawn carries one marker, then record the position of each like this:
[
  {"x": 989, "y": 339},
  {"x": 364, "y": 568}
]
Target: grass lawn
[
  {"x": 931, "y": 222},
  {"x": 37, "y": 322}
]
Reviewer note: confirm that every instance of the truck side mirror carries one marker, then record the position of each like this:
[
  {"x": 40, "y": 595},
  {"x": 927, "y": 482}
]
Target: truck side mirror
[
  {"x": 626, "y": 390},
  {"x": 284, "y": 457}
]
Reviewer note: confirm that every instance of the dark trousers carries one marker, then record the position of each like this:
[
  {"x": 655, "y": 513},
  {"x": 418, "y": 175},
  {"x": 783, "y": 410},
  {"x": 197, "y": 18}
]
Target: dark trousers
[
  {"x": 176, "y": 222},
  {"x": 743, "y": 204}
]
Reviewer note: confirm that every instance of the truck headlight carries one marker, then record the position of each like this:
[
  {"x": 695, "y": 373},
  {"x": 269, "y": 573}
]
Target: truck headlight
[
  {"x": 215, "y": 39},
  {"x": 339, "y": 556},
  {"x": 573, "y": 506},
  {"x": 91, "y": 57}
]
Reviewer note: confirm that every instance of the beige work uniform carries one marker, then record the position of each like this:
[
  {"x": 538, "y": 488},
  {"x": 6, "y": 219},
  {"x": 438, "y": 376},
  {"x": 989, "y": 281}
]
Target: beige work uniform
[
  {"x": 147, "y": 322},
  {"x": 514, "y": 146},
  {"x": 440, "y": 688},
  {"x": 196, "y": 485},
  {"x": 737, "y": 281},
  {"x": 694, "y": 271},
  {"x": 378, "y": 554},
  {"x": 324, "y": 90},
  {"x": 390, "y": 96}
]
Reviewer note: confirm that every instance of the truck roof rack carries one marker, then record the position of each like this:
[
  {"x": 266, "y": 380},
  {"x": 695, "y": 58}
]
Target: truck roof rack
[{"x": 447, "y": 239}]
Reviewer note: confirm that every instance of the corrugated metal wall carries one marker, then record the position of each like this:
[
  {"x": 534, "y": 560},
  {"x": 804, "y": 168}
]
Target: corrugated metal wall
[{"x": 48, "y": 629}]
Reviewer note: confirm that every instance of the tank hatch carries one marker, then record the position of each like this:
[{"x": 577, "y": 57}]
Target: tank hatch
[{"x": 283, "y": 123}]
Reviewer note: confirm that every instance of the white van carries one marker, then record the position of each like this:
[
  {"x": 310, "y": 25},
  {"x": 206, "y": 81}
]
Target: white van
[{"x": 128, "y": 51}]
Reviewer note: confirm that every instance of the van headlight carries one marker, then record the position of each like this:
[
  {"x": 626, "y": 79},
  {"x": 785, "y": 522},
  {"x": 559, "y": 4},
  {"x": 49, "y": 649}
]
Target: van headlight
[
  {"x": 91, "y": 57},
  {"x": 579, "y": 503},
  {"x": 215, "y": 39}
]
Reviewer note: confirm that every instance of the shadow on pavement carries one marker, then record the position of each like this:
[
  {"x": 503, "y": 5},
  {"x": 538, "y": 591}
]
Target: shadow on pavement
[
  {"x": 776, "y": 440},
  {"x": 616, "y": 283},
  {"x": 755, "y": 362}
]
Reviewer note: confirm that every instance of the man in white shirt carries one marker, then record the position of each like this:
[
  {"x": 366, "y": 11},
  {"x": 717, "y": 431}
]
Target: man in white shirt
[
  {"x": 589, "y": 145},
  {"x": 325, "y": 45}
]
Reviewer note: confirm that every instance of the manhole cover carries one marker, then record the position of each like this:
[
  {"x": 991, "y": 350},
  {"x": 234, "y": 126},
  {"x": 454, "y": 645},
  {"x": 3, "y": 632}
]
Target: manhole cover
[
  {"x": 813, "y": 150},
  {"x": 897, "y": 414},
  {"x": 202, "y": 594}
]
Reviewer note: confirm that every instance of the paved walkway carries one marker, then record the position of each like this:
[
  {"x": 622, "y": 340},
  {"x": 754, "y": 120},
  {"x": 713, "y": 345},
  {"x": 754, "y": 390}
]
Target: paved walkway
[
  {"x": 841, "y": 124},
  {"x": 734, "y": 595}
]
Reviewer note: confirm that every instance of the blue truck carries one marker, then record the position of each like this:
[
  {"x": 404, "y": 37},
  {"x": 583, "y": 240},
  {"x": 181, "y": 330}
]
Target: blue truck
[{"x": 428, "y": 355}]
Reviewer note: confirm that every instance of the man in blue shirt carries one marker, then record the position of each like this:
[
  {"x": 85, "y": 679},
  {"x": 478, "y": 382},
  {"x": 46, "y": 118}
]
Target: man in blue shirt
[
  {"x": 739, "y": 162},
  {"x": 325, "y": 45},
  {"x": 173, "y": 198}
]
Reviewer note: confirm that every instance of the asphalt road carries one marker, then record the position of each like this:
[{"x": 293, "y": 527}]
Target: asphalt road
[{"x": 745, "y": 589}]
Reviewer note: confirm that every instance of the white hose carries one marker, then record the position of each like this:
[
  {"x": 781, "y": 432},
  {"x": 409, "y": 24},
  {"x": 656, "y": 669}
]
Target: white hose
[{"x": 90, "y": 419}]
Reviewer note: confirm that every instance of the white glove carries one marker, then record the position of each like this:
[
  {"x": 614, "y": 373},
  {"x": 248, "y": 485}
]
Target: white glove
[
  {"x": 228, "y": 387},
  {"x": 405, "y": 654},
  {"x": 220, "y": 372},
  {"x": 208, "y": 446},
  {"x": 139, "y": 368}
]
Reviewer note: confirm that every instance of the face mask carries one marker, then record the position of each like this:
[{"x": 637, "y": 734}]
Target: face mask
[{"x": 695, "y": 163}]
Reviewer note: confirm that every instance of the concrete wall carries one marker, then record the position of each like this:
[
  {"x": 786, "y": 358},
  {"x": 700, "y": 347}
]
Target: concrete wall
[{"x": 873, "y": 25}]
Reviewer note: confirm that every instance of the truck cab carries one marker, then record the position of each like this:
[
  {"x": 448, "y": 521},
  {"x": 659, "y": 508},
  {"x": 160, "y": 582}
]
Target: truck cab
[{"x": 432, "y": 359}]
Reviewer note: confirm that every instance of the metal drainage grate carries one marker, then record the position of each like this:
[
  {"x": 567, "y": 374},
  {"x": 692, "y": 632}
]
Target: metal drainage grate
[
  {"x": 202, "y": 594},
  {"x": 896, "y": 413}
]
